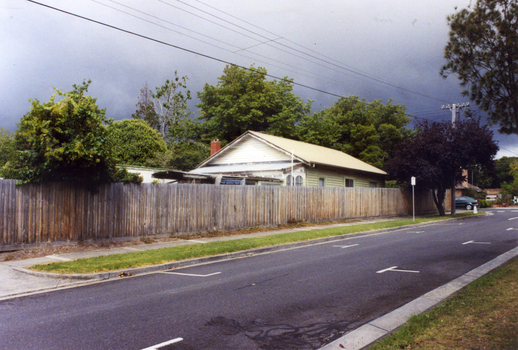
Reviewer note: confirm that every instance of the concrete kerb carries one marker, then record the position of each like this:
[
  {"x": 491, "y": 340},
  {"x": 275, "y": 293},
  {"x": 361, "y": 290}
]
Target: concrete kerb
[
  {"x": 366, "y": 335},
  {"x": 98, "y": 276}
]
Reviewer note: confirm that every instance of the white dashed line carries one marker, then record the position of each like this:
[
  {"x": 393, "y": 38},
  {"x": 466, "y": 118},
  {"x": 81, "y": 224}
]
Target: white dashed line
[
  {"x": 190, "y": 274},
  {"x": 473, "y": 242},
  {"x": 394, "y": 269},
  {"x": 166, "y": 343},
  {"x": 345, "y": 246}
]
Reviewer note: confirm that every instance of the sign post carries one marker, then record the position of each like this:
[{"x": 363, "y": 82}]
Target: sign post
[{"x": 412, "y": 182}]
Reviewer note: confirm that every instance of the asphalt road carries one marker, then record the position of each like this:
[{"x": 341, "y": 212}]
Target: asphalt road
[{"x": 293, "y": 299}]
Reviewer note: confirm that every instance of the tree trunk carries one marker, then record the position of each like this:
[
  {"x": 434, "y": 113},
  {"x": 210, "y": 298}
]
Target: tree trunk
[{"x": 438, "y": 198}]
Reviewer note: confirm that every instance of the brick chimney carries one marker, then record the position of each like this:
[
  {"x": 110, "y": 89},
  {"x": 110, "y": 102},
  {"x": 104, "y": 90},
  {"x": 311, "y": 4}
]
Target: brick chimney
[{"x": 215, "y": 146}]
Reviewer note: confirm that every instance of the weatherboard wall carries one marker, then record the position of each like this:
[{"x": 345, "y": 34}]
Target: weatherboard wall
[
  {"x": 41, "y": 213},
  {"x": 337, "y": 179}
]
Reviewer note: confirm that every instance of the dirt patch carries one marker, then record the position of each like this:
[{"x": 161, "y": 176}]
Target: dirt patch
[
  {"x": 50, "y": 249},
  {"x": 63, "y": 248}
]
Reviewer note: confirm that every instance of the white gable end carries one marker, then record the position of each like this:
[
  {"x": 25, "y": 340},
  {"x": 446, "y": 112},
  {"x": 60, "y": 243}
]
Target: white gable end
[{"x": 250, "y": 150}]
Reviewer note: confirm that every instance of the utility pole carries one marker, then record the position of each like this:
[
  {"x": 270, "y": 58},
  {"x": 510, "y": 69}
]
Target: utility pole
[{"x": 453, "y": 109}]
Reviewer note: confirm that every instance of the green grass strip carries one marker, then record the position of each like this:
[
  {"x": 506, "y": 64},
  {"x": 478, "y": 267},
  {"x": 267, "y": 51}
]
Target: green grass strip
[
  {"x": 164, "y": 255},
  {"x": 481, "y": 316}
]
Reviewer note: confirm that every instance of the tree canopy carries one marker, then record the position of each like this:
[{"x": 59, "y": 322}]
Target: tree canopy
[
  {"x": 65, "y": 140},
  {"x": 483, "y": 52},
  {"x": 245, "y": 100},
  {"x": 368, "y": 131},
  {"x": 437, "y": 154},
  {"x": 7, "y": 147},
  {"x": 146, "y": 108},
  {"x": 134, "y": 141}
]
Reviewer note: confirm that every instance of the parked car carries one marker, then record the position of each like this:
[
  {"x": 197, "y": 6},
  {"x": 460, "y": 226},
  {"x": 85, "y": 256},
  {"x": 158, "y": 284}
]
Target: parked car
[{"x": 465, "y": 202}]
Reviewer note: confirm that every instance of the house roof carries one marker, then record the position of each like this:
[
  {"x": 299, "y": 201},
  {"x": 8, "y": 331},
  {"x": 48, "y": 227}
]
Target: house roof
[
  {"x": 305, "y": 152},
  {"x": 237, "y": 168}
]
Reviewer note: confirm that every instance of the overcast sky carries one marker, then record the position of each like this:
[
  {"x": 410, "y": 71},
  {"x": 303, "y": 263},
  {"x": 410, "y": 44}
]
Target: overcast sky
[{"x": 374, "y": 49}]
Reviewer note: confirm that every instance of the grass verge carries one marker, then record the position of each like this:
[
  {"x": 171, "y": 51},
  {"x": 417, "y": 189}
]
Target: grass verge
[
  {"x": 160, "y": 256},
  {"x": 481, "y": 316}
]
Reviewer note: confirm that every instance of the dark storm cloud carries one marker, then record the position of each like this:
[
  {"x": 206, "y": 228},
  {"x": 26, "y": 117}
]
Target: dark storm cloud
[{"x": 394, "y": 43}]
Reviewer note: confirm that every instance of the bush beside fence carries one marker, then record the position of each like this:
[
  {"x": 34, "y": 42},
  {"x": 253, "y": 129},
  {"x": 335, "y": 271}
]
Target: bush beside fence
[{"x": 38, "y": 213}]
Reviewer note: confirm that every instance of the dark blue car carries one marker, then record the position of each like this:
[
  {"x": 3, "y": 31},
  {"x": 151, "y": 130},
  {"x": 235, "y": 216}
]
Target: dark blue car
[{"x": 465, "y": 202}]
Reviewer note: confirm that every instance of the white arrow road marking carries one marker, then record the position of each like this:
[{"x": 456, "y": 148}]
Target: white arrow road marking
[
  {"x": 161, "y": 345},
  {"x": 345, "y": 246},
  {"x": 191, "y": 274},
  {"x": 394, "y": 268},
  {"x": 473, "y": 242}
]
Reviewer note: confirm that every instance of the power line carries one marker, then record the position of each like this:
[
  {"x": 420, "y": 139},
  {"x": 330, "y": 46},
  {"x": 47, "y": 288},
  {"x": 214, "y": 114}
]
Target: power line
[
  {"x": 179, "y": 47},
  {"x": 297, "y": 71},
  {"x": 355, "y": 71}
]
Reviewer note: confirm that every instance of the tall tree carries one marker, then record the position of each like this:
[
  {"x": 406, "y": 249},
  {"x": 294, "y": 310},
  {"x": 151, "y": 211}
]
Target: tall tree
[
  {"x": 483, "y": 52},
  {"x": 65, "y": 141},
  {"x": 134, "y": 141},
  {"x": 438, "y": 152},
  {"x": 146, "y": 108},
  {"x": 245, "y": 100},
  {"x": 170, "y": 103},
  {"x": 368, "y": 131},
  {"x": 7, "y": 147}
]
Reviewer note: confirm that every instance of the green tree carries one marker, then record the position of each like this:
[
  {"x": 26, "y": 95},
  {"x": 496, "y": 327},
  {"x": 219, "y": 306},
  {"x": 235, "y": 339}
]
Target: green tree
[
  {"x": 483, "y": 52},
  {"x": 180, "y": 156},
  {"x": 7, "y": 147},
  {"x": 368, "y": 131},
  {"x": 170, "y": 104},
  {"x": 146, "y": 108},
  {"x": 244, "y": 100},
  {"x": 65, "y": 140},
  {"x": 511, "y": 187},
  {"x": 437, "y": 153},
  {"x": 134, "y": 141}
]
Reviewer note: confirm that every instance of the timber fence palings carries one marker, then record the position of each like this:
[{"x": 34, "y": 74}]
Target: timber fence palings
[{"x": 38, "y": 213}]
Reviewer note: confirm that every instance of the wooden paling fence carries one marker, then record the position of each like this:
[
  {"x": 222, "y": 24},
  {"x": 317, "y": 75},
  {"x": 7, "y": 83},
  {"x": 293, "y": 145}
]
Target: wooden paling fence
[{"x": 39, "y": 213}]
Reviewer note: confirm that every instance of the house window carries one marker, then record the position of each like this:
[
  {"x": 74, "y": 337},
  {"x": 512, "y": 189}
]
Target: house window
[
  {"x": 349, "y": 183},
  {"x": 321, "y": 182},
  {"x": 289, "y": 180},
  {"x": 373, "y": 184},
  {"x": 298, "y": 181}
]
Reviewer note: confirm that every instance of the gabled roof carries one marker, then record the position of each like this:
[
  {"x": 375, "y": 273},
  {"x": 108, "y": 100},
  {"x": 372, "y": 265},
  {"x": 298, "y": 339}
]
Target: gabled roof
[{"x": 304, "y": 152}]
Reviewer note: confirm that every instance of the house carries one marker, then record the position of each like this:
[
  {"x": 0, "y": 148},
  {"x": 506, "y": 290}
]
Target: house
[
  {"x": 256, "y": 158},
  {"x": 145, "y": 172},
  {"x": 462, "y": 188}
]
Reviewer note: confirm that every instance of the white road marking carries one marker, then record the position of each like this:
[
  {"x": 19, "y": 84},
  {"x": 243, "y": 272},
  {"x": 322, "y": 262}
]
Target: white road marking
[
  {"x": 190, "y": 274},
  {"x": 345, "y": 246},
  {"x": 512, "y": 229},
  {"x": 473, "y": 242},
  {"x": 512, "y": 218},
  {"x": 394, "y": 268},
  {"x": 158, "y": 346},
  {"x": 57, "y": 258}
]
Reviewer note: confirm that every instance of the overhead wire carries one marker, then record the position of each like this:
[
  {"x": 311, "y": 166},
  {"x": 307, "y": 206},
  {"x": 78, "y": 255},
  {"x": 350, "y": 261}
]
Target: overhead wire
[
  {"x": 297, "y": 71},
  {"x": 179, "y": 47},
  {"x": 354, "y": 71},
  {"x": 211, "y": 57}
]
